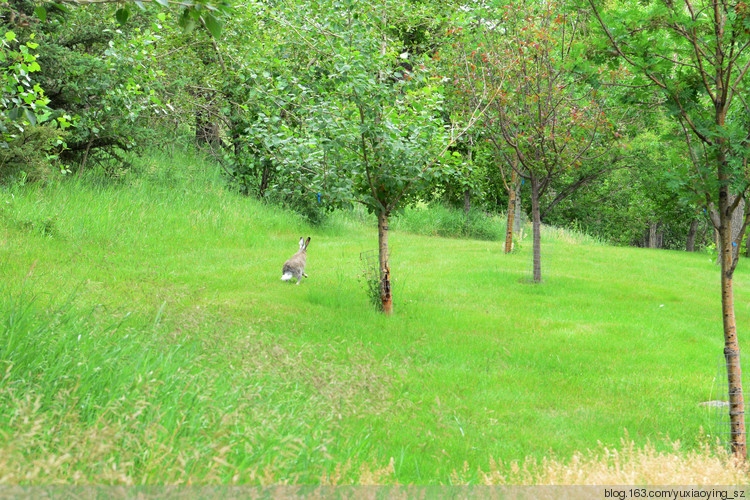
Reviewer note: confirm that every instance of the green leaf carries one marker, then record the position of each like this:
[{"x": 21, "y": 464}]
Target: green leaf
[
  {"x": 186, "y": 21},
  {"x": 140, "y": 4},
  {"x": 30, "y": 116},
  {"x": 164, "y": 3},
  {"x": 213, "y": 25},
  {"x": 62, "y": 8},
  {"x": 10, "y": 36},
  {"x": 122, "y": 15},
  {"x": 41, "y": 13}
]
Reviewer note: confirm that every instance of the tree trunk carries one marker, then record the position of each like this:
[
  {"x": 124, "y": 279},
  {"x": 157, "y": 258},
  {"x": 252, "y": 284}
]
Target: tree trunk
[
  {"x": 690, "y": 245},
  {"x": 385, "y": 270},
  {"x": 517, "y": 215},
  {"x": 85, "y": 157},
  {"x": 467, "y": 190},
  {"x": 652, "y": 239},
  {"x": 536, "y": 228},
  {"x": 264, "y": 181},
  {"x": 732, "y": 348},
  {"x": 511, "y": 214},
  {"x": 731, "y": 345}
]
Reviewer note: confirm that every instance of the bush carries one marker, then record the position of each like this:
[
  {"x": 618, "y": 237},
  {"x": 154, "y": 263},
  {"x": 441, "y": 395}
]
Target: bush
[{"x": 32, "y": 156}]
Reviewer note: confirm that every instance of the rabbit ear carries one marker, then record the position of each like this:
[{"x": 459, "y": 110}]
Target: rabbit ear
[
  {"x": 301, "y": 243},
  {"x": 307, "y": 242}
]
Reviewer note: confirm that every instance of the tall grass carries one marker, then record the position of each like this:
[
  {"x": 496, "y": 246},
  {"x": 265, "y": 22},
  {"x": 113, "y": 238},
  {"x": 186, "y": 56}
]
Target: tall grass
[
  {"x": 626, "y": 464},
  {"x": 133, "y": 402},
  {"x": 146, "y": 338},
  {"x": 436, "y": 219}
]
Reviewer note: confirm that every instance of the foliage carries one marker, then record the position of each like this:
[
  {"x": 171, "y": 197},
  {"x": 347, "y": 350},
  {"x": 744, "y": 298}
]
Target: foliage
[
  {"x": 700, "y": 87},
  {"x": 91, "y": 76},
  {"x": 22, "y": 101},
  {"x": 29, "y": 143},
  {"x": 140, "y": 79},
  {"x": 625, "y": 204},
  {"x": 360, "y": 127},
  {"x": 149, "y": 81},
  {"x": 33, "y": 155}
]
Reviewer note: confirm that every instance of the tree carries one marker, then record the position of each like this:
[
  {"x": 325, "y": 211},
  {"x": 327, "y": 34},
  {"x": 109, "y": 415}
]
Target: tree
[
  {"x": 469, "y": 86},
  {"x": 546, "y": 119},
  {"x": 363, "y": 122},
  {"x": 696, "y": 53}
]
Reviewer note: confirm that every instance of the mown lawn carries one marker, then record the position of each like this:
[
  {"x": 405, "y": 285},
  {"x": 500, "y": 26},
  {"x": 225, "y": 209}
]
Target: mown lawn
[{"x": 147, "y": 338}]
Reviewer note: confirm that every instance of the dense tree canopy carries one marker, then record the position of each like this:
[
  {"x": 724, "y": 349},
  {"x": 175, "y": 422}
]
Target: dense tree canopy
[{"x": 317, "y": 105}]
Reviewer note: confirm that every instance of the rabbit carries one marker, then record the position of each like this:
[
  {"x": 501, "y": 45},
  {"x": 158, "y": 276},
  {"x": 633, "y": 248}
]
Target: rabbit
[{"x": 295, "y": 266}]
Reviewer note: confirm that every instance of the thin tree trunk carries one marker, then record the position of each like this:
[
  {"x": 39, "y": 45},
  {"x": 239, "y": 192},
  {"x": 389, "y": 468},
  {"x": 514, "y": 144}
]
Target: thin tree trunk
[
  {"x": 517, "y": 216},
  {"x": 732, "y": 348},
  {"x": 536, "y": 228},
  {"x": 264, "y": 180},
  {"x": 511, "y": 212},
  {"x": 690, "y": 245},
  {"x": 703, "y": 230},
  {"x": 385, "y": 270},
  {"x": 467, "y": 191},
  {"x": 731, "y": 345},
  {"x": 85, "y": 157},
  {"x": 652, "y": 234}
]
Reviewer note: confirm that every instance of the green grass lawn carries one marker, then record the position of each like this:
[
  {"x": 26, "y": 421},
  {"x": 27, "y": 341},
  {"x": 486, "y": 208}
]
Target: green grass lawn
[{"x": 147, "y": 338}]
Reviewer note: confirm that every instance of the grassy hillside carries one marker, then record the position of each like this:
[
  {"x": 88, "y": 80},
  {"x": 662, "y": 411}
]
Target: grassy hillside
[{"x": 147, "y": 338}]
